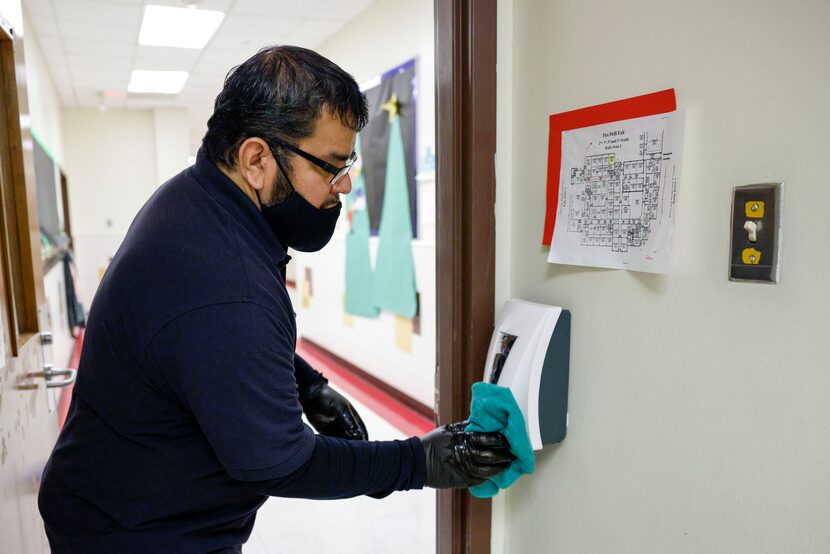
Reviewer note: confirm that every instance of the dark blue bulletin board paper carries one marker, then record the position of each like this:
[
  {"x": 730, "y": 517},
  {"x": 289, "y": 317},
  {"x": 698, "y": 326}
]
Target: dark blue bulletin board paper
[{"x": 375, "y": 139}]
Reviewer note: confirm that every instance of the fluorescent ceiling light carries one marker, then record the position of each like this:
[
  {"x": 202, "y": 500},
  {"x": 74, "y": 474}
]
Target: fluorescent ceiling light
[
  {"x": 178, "y": 27},
  {"x": 161, "y": 82}
]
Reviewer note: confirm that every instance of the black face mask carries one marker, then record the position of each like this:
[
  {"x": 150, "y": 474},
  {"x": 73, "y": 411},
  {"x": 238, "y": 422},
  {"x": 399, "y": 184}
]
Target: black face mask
[{"x": 300, "y": 225}]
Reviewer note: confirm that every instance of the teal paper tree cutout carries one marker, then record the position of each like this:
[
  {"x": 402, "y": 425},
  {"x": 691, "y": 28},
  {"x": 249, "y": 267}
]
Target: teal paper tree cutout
[
  {"x": 394, "y": 279},
  {"x": 359, "y": 277}
]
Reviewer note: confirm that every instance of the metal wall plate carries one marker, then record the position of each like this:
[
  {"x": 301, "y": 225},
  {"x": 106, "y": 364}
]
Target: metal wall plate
[{"x": 755, "y": 239}]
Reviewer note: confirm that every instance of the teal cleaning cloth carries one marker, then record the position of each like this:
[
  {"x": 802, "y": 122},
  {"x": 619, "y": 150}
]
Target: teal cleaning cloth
[{"x": 494, "y": 409}]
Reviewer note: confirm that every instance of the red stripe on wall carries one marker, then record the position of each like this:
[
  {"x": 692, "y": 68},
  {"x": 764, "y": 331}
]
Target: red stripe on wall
[{"x": 399, "y": 415}]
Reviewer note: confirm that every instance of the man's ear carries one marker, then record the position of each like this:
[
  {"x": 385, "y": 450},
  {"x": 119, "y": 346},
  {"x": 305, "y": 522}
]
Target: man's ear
[{"x": 254, "y": 158}]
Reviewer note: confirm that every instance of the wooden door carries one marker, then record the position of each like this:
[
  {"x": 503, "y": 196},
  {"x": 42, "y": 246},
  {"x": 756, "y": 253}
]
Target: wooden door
[
  {"x": 465, "y": 78},
  {"x": 28, "y": 428}
]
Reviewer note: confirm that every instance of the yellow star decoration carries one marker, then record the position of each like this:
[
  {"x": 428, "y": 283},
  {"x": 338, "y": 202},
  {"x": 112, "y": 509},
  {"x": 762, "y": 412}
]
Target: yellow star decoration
[{"x": 393, "y": 107}]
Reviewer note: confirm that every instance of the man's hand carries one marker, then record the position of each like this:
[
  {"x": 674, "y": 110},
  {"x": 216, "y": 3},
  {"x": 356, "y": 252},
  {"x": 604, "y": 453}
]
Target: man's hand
[
  {"x": 461, "y": 459},
  {"x": 331, "y": 414}
]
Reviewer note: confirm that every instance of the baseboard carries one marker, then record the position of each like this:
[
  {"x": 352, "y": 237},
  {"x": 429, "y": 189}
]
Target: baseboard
[{"x": 402, "y": 411}]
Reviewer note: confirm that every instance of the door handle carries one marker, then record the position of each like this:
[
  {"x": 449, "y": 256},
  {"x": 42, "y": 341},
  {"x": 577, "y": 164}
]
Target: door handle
[{"x": 49, "y": 373}]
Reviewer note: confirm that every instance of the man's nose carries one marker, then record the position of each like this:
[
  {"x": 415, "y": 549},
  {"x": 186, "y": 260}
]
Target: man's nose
[{"x": 343, "y": 186}]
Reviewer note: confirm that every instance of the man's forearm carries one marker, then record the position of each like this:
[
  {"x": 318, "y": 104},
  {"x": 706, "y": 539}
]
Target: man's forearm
[
  {"x": 341, "y": 468},
  {"x": 305, "y": 375}
]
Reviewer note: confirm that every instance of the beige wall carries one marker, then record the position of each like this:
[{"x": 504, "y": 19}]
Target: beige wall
[
  {"x": 111, "y": 167},
  {"x": 44, "y": 105},
  {"x": 114, "y": 162},
  {"x": 386, "y": 34},
  {"x": 172, "y": 144},
  {"x": 698, "y": 413},
  {"x": 45, "y": 121}
]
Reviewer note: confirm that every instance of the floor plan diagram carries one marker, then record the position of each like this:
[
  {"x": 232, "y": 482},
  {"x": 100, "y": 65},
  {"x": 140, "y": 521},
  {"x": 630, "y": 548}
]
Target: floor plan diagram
[
  {"x": 615, "y": 201},
  {"x": 617, "y": 193}
]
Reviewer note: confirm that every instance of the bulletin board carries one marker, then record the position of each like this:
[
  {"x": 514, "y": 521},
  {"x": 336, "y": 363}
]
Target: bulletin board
[
  {"x": 47, "y": 193},
  {"x": 374, "y": 138}
]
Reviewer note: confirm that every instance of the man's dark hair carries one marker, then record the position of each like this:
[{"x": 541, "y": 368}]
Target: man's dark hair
[{"x": 279, "y": 92}]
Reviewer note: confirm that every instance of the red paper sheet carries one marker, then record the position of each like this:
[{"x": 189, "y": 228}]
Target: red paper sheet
[{"x": 639, "y": 106}]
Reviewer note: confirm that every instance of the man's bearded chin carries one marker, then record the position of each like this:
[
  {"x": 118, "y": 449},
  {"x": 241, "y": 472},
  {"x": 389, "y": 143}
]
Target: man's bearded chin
[{"x": 279, "y": 191}]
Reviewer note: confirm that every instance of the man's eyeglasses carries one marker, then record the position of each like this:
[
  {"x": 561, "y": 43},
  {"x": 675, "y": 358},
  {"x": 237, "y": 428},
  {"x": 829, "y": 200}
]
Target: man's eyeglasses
[{"x": 337, "y": 172}]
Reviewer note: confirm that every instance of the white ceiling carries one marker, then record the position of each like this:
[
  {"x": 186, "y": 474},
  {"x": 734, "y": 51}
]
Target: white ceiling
[{"x": 91, "y": 47}]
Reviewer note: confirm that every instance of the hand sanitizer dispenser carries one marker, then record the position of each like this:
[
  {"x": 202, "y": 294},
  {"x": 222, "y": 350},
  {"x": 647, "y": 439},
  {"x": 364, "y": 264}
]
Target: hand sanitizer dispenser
[{"x": 530, "y": 354}]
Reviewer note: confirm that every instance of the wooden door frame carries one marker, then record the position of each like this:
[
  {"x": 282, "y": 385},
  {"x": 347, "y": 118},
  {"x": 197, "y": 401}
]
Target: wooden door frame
[
  {"x": 465, "y": 74},
  {"x": 20, "y": 233}
]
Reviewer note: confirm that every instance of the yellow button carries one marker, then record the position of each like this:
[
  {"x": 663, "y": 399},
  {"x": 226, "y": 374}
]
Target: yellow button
[
  {"x": 755, "y": 209},
  {"x": 750, "y": 256}
]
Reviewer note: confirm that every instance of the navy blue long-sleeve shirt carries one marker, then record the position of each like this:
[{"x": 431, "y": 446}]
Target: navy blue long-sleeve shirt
[{"x": 185, "y": 414}]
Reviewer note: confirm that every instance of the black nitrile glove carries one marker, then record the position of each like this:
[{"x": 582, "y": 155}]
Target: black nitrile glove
[
  {"x": 331, "y": 414},
  {"x": 461, "y": 459}
]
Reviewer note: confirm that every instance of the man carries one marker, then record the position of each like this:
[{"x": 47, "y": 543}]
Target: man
[{"x": 187, "y": 410}]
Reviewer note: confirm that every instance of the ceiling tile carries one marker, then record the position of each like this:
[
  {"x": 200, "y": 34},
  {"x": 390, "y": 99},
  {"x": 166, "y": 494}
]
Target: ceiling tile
[
  {"x": 96, "y": 63},
  {"x": 315, "y": 29},
  {"x": 67, "y": 100},
  {"x": 88, "y": 99},
  {"x": 275, "y": 8},
  {"x": 207, "y": 72},
  {"x": 216, "y": 65},
  {"x": 165, "y": 59},
  {"x": 102, "y": 80},
  {"x": 257, "y": 27},
  {"x": 50, "y": 47},
  {"x": 204, "y": 78},
  {"x": 343, "y": 10},
  {"x": 217, "y": 5},
  {"x": 91, "y": 47},
  {"x": 93, "y": 44},
  {"x": 104, "y": 32},
  {"x": 61, "y": 77},
  {"x": 202, "y": 83},
  {"x": 211, "y": 70},
  {"x": 197, "y": 96},
  {"x": 311, "y": 43},
  {"x": 65, "y": 90},
  {"x": 38, "y": 7},
  {"x": 43, "y": 25},
  {"x": 98, "y": 12},
  {"x": 243, "y": 43}
]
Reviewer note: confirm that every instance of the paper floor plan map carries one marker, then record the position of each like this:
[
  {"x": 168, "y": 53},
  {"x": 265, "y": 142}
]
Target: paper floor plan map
[{"x": 617, "y": 194}]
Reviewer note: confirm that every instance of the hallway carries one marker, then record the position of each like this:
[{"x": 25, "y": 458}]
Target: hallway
[{"x": 402, "y": 523}]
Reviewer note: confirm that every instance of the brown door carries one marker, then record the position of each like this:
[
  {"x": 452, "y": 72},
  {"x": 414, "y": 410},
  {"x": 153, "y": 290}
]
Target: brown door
[
  {"x": 465, "y": 75},
  {"x": 28, "y": 427}
]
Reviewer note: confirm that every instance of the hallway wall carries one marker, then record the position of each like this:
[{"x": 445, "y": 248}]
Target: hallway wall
[
  {"x": 45, "y": 120},
  {"x": 385, "y": 35},
  {"x": 115, "y": 160},
  {"x": 698, "y": 417}
]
